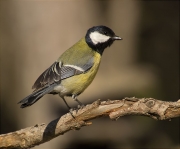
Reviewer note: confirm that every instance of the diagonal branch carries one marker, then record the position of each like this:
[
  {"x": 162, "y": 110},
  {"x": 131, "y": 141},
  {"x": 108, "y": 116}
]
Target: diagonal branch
[{"x": 41, "y": 133}]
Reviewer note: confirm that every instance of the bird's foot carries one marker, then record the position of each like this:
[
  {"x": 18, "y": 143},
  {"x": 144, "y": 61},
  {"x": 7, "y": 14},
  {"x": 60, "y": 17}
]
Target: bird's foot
[
  {"x": 71, "y": 112},
  {"x": 80, "y": 106},
  {"x": 72, "y": 109}
]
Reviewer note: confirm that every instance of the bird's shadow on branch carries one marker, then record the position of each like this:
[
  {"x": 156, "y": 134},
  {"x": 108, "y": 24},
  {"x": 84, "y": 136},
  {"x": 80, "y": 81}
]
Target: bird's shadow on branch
[{"x": 50, "y": 130}]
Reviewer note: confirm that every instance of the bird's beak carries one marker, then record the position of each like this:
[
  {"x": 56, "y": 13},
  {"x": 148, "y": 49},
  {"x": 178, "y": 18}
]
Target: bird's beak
[{"x": 117, "y": 38}]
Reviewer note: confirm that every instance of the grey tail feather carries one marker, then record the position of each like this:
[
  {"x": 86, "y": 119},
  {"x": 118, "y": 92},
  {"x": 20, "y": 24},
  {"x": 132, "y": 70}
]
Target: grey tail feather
[{"x": 35, "y": 96}]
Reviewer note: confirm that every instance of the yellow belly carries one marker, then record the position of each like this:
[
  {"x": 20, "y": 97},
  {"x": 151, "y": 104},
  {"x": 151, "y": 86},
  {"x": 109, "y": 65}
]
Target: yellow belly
[{"x": 77, "y": 84}]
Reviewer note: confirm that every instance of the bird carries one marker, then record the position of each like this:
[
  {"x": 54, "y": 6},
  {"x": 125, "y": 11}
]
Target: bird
[{"x": 75, "y": 69}]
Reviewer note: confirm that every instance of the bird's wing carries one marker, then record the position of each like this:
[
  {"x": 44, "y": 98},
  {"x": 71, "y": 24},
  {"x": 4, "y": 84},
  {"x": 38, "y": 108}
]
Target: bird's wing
[{"x": 57, "y": 72}]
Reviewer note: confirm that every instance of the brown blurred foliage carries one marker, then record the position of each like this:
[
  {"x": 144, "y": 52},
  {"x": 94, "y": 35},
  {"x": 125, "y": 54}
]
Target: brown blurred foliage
[{"x": 144, "y": 64}]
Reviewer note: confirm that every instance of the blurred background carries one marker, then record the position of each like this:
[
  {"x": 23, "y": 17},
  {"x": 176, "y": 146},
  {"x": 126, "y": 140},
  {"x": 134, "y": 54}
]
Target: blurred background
[{"x": 144, "y": 64}]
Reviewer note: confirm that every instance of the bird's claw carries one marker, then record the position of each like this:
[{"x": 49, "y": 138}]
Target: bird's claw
[{"x": 81, "y": 106}]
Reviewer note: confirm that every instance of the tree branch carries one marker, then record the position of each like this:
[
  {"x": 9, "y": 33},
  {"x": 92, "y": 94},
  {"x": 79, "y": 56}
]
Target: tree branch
[{"x": 41, "y": 133}]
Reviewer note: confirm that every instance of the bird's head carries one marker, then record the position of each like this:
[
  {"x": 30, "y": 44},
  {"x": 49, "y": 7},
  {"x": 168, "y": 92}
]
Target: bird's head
[{"x": 100, "y": 37}]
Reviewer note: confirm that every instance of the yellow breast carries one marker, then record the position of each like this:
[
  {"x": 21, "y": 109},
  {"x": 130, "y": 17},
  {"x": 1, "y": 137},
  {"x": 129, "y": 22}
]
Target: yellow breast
[{"x": 77, "y": 84}]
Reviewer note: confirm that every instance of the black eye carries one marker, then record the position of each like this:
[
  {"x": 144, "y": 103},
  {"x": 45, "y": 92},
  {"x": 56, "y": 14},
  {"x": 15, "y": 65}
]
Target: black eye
[{"x": 105, "y": 33}]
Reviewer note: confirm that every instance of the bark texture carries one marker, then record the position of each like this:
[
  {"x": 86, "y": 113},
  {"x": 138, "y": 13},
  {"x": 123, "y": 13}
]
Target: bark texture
[{"x": 41, "y": 133}]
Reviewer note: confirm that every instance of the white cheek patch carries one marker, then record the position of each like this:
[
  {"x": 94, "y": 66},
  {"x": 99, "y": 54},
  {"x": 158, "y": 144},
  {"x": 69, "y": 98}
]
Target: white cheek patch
[{"x": 97, "y": 37}]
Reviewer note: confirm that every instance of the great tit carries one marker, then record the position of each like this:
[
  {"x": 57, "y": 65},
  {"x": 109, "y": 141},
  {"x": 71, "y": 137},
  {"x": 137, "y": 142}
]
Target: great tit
[{"x": 75, "y": 69}]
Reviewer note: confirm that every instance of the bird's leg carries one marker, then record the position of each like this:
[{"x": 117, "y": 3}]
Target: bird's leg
[
  {"x": 74, "y": 97},
  {"x": 70, "y": 109},
  {"x": 66, "y": 103}
]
